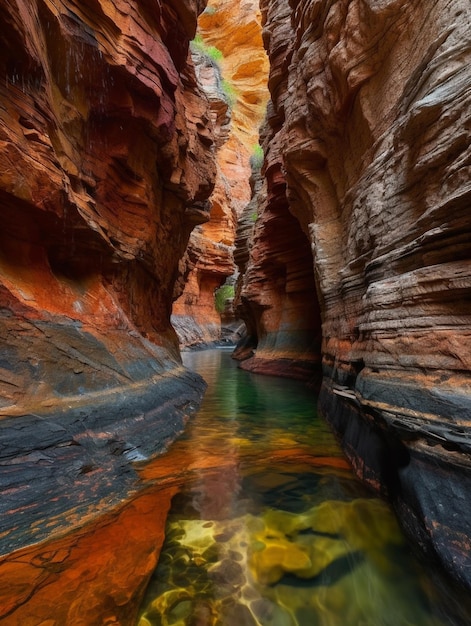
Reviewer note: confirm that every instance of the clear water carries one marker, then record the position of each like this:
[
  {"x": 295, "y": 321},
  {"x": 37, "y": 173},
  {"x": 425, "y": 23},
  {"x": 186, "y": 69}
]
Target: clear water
[{"x": 272, "y": 528}]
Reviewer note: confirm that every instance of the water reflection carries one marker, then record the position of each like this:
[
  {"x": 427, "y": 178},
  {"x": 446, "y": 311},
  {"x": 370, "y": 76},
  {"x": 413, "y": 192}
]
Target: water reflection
[{"x": 271, "y": 527}]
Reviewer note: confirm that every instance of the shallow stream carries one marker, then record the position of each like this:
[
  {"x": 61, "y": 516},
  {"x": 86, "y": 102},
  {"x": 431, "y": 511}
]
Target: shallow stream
[{"x": 272, "y": 528}]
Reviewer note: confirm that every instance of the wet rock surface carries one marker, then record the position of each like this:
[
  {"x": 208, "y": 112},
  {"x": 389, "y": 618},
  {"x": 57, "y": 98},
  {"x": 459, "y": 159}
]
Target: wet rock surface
[{"x": 97, "y": 575}]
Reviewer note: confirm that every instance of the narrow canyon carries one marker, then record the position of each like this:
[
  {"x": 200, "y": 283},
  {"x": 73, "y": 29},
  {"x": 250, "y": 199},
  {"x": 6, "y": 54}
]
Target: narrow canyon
[{"x": 306, "y": 161}]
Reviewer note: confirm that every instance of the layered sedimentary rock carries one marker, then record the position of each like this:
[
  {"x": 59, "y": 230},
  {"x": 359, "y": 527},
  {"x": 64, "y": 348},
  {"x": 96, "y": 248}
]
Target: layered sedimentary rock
[
  {"x": 232, "y": 67},
  {"x": 234, "y": 28},
  {"x": 106, "y": 164},
  {"x": 208, "y": 260},
  {"x": 374, "y": 102},
  {"x": 277, "y": 298}
]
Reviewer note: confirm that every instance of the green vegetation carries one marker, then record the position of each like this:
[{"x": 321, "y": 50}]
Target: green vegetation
[
  {"x": 198, "y": 44},
  {"x": 221, "y": 295},
  {"x": 229, "y": 92},
  {"x": 256, "y": 160}
]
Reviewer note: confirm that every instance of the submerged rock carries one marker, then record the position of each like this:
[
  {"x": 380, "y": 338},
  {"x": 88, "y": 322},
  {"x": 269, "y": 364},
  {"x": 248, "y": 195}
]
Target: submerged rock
[{"x": 326, "y": 565}]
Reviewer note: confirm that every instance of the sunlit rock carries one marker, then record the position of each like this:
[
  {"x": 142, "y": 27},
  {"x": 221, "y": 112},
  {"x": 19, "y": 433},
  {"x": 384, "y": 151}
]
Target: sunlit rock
[{"x": 234, "y": 28}]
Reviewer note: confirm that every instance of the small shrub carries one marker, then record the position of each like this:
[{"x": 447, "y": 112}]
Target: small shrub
[
  {"x": 256, "y": 160},
  {"x": 198, "y": 42},
  {"x": 221, "y": 295},
  {"x": 229, "y": 92},
  {"x": 198, "y": 45},
  {"x": 214, "y": 53}
]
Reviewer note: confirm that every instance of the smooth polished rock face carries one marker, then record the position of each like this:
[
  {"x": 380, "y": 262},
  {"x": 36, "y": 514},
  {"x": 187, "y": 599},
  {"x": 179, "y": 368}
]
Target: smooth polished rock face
[
  {"x": 106, "y": 164},
  {"x": 374, "y": 103}
]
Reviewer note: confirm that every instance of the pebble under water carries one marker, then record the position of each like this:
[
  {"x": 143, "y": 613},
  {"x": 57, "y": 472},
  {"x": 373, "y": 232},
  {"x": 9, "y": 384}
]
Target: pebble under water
[{"x": 272, "y": 528}]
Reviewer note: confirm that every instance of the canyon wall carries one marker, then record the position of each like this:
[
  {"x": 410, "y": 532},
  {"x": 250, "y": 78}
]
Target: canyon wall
[
  {"x": 232, "y": 67},
  {"x": 369, "y": 151},
  {"x": 208, "y": 260},
  {"x": 106, "y": 165},
  {"x": 277, "y": 295}
]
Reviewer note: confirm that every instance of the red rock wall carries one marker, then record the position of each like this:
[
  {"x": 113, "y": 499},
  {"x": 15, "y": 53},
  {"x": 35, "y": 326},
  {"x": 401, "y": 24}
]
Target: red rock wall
[
  {"x": 104, "y": 170},
  {"x": 374, "y": 103},
  {"x": 106, "y": 164},
  {"x": 277, "y": 297}
]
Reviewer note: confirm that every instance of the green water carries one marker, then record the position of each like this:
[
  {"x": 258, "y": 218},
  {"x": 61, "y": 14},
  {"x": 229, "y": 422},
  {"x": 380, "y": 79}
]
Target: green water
[{"x": 272, "y": 528}]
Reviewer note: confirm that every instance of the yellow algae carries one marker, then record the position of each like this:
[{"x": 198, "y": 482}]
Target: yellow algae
[
  {"x": 365, "y": 524},
  {"x": 197, "y": 534},
  {"x": 284, "y": 522},
  {"x": 322, "y": 552},
  {"x": 307, "y": 544},
  {"x": 277, "y": 558},
  {"x": 166, "y": 600}
]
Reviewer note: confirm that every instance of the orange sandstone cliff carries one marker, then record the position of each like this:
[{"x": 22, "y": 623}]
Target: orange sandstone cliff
[
  {"x": 232, "y": 67},
  {"x": 368, "y": 160}
]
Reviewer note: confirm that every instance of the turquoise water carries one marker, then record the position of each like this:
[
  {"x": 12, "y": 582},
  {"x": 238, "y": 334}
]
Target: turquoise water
[{"x": 272, "y": 528}]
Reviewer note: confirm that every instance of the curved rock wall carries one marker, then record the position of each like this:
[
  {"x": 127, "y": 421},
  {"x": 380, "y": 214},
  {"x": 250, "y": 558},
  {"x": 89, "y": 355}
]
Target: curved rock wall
[
  {"x": 106, "y": 164},
  {"x": 277, "y": 297},
  {"x": 105, "y": 169},
  {"x": 374, "y": 102}
]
